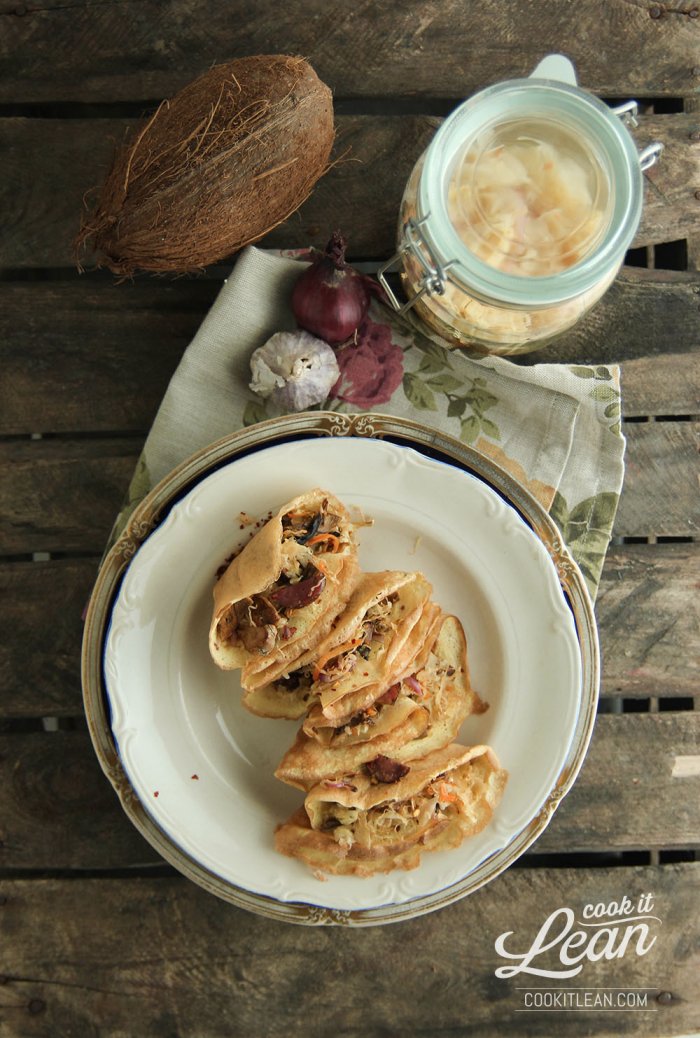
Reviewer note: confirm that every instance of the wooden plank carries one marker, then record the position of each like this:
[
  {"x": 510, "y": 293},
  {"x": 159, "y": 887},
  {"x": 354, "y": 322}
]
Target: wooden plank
[
  {"x": 41, "y": 607},
  {"x": 632, "y": 780},
  {"x": 92, "y": 356},
  {"x": 646, "y": 610},
  {"x": 361, "y": 193},
  {"x": 108, "y": 339},
  {"x": 157, "y": 957},
  {"x": 691, "y": 105},
  {"x": 651, "y": 317},
  {"x": 659, "y": 495},
  {"x": 62, "y": 496},
  {"x": 652, "y": 385},
  {"x": 670, "y": 206},
  {"x": 75, "y": 51},
  {"x": 43, "y": 201},
  {"x": 57, "y": 810},
  {"x": 60, "y": 810}
]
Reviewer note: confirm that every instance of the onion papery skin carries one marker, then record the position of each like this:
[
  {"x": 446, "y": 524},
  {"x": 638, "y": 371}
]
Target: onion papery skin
[{"x": 330, "y": 298}]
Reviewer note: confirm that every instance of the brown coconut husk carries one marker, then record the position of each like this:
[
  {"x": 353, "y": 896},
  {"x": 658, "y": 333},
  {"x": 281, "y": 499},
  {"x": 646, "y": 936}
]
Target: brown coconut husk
[{"x": 231, "y": 156}]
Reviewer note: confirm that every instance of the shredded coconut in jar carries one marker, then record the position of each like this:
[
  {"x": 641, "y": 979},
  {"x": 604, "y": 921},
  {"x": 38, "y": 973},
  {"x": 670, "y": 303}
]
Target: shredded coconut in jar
[{"x": 528, "y": 199}]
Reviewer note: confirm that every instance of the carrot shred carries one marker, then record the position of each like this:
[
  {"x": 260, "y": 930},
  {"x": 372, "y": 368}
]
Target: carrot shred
[
  {"x": 335, "y": 541},
  {"x": 338, "y": 651},
  {"x": 450, "y": 798}
]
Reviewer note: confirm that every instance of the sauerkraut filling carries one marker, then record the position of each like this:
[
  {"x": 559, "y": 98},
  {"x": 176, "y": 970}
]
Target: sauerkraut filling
[
  {"x": 368, "y": 641},
  {"x": 426, "y": 688},
  {"x": 319, "y": 531},
  {"x": 307, "y": 682},
  {"x": 394, "y": 820},
  {"x": 261, "y": 621}
]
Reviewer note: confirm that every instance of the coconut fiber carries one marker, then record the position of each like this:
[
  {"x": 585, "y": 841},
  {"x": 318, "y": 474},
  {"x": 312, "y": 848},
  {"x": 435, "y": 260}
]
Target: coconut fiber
[{"x": 215, "y": 168}]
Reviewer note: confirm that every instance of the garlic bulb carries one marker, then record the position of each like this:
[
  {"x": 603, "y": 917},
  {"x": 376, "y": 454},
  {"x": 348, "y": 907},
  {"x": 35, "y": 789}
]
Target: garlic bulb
[{"x": 294, "y": 370}]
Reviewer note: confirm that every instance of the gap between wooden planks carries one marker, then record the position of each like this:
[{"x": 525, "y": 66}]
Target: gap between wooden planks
[
  {"x": 646, "y": 610},
  {"x": 58, "y": 811},
  {"x": 50, "y": 165}
]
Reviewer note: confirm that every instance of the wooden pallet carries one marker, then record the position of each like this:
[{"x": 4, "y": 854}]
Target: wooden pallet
[{"x": 98, "y": 935}]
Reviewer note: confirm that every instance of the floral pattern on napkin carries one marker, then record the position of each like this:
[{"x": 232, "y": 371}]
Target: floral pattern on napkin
[
  {"x": 371, "y": 370},
  {"x": 555, "y": 428}
]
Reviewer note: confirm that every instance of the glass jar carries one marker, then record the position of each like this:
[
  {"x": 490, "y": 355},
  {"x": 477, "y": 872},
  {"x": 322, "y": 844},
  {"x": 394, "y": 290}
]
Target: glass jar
[{"x": 517, "y": 217}]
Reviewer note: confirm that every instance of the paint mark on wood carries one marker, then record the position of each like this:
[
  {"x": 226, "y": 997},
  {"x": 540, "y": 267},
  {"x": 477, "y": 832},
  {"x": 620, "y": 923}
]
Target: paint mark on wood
[{"x": 686, "y": 767}]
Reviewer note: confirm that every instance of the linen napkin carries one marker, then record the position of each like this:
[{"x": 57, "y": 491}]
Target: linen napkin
[{"x": 555, "y": 428}]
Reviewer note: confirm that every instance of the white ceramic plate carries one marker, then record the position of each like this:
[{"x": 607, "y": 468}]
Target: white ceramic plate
[{"x": 202, "y": 766}]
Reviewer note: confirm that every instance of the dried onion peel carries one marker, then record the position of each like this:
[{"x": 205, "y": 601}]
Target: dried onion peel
[{"x": 231, "y": 156}]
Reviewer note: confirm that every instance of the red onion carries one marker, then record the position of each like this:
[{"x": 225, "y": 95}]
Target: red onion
[
  {"x": 391, "y": 694},
  {"x": 330, "y": 298},
  {"x": 414, "y": 684}
]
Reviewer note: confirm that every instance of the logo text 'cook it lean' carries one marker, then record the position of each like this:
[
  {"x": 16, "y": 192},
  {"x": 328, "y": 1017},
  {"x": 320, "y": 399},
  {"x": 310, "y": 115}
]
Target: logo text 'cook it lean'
[{"x": 606, "y": 931}]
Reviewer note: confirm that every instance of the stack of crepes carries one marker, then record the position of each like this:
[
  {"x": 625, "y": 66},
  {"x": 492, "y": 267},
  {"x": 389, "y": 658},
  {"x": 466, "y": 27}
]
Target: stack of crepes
[{"x": 379, "y": 674}]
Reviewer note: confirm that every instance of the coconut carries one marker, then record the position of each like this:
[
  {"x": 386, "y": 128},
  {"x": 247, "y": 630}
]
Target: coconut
[{"x": 216, "y": 167}]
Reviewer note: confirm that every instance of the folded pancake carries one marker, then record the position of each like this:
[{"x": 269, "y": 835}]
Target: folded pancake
[
  {"x": 365, "y": 641},
  {"x": 283, "y": 590},
  {"x": 419, "y": 713},
  {"x": 385, "y": 815},
  {"x": 322, "y": 719}
]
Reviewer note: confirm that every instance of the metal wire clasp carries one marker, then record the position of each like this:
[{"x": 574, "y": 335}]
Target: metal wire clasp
[
  {"x": 628, "y": 112},
  {"x": 434, "y": 274},
  {"x": 650, "y": 154}
]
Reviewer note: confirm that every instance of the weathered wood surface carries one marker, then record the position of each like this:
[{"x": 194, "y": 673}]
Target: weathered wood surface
[
  {"x": 668, "y": 384},
  {"x": 649, "y": 622},
  {"x": 45, "y": 217},
  {"x": 161, "y": 957},
  {"x": 91, "y": 356},
  {"x": 88, "y": 360},
  {"x": 658, "y": 497},
  {"x": 42, "y": 201},
  {"x": 72, "y": 352},
  {"x": 651, "y": 316},
  {"x": 646, "y": 609},
  {"x": 41, "y": 605},
  {"x": 77, "y": 51},
  {"x": 641, "y": 757},
  {"x": 671, "y": 183},
  {"x": 63, "y": 495},
  {"x": 692, "y": 106},
  {"x": 58, "y": 811}
]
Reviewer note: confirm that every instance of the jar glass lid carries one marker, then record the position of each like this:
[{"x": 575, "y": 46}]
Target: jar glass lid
[
  {"x": 530, "y": 197},
  {"x": 532, "y": 190}
]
